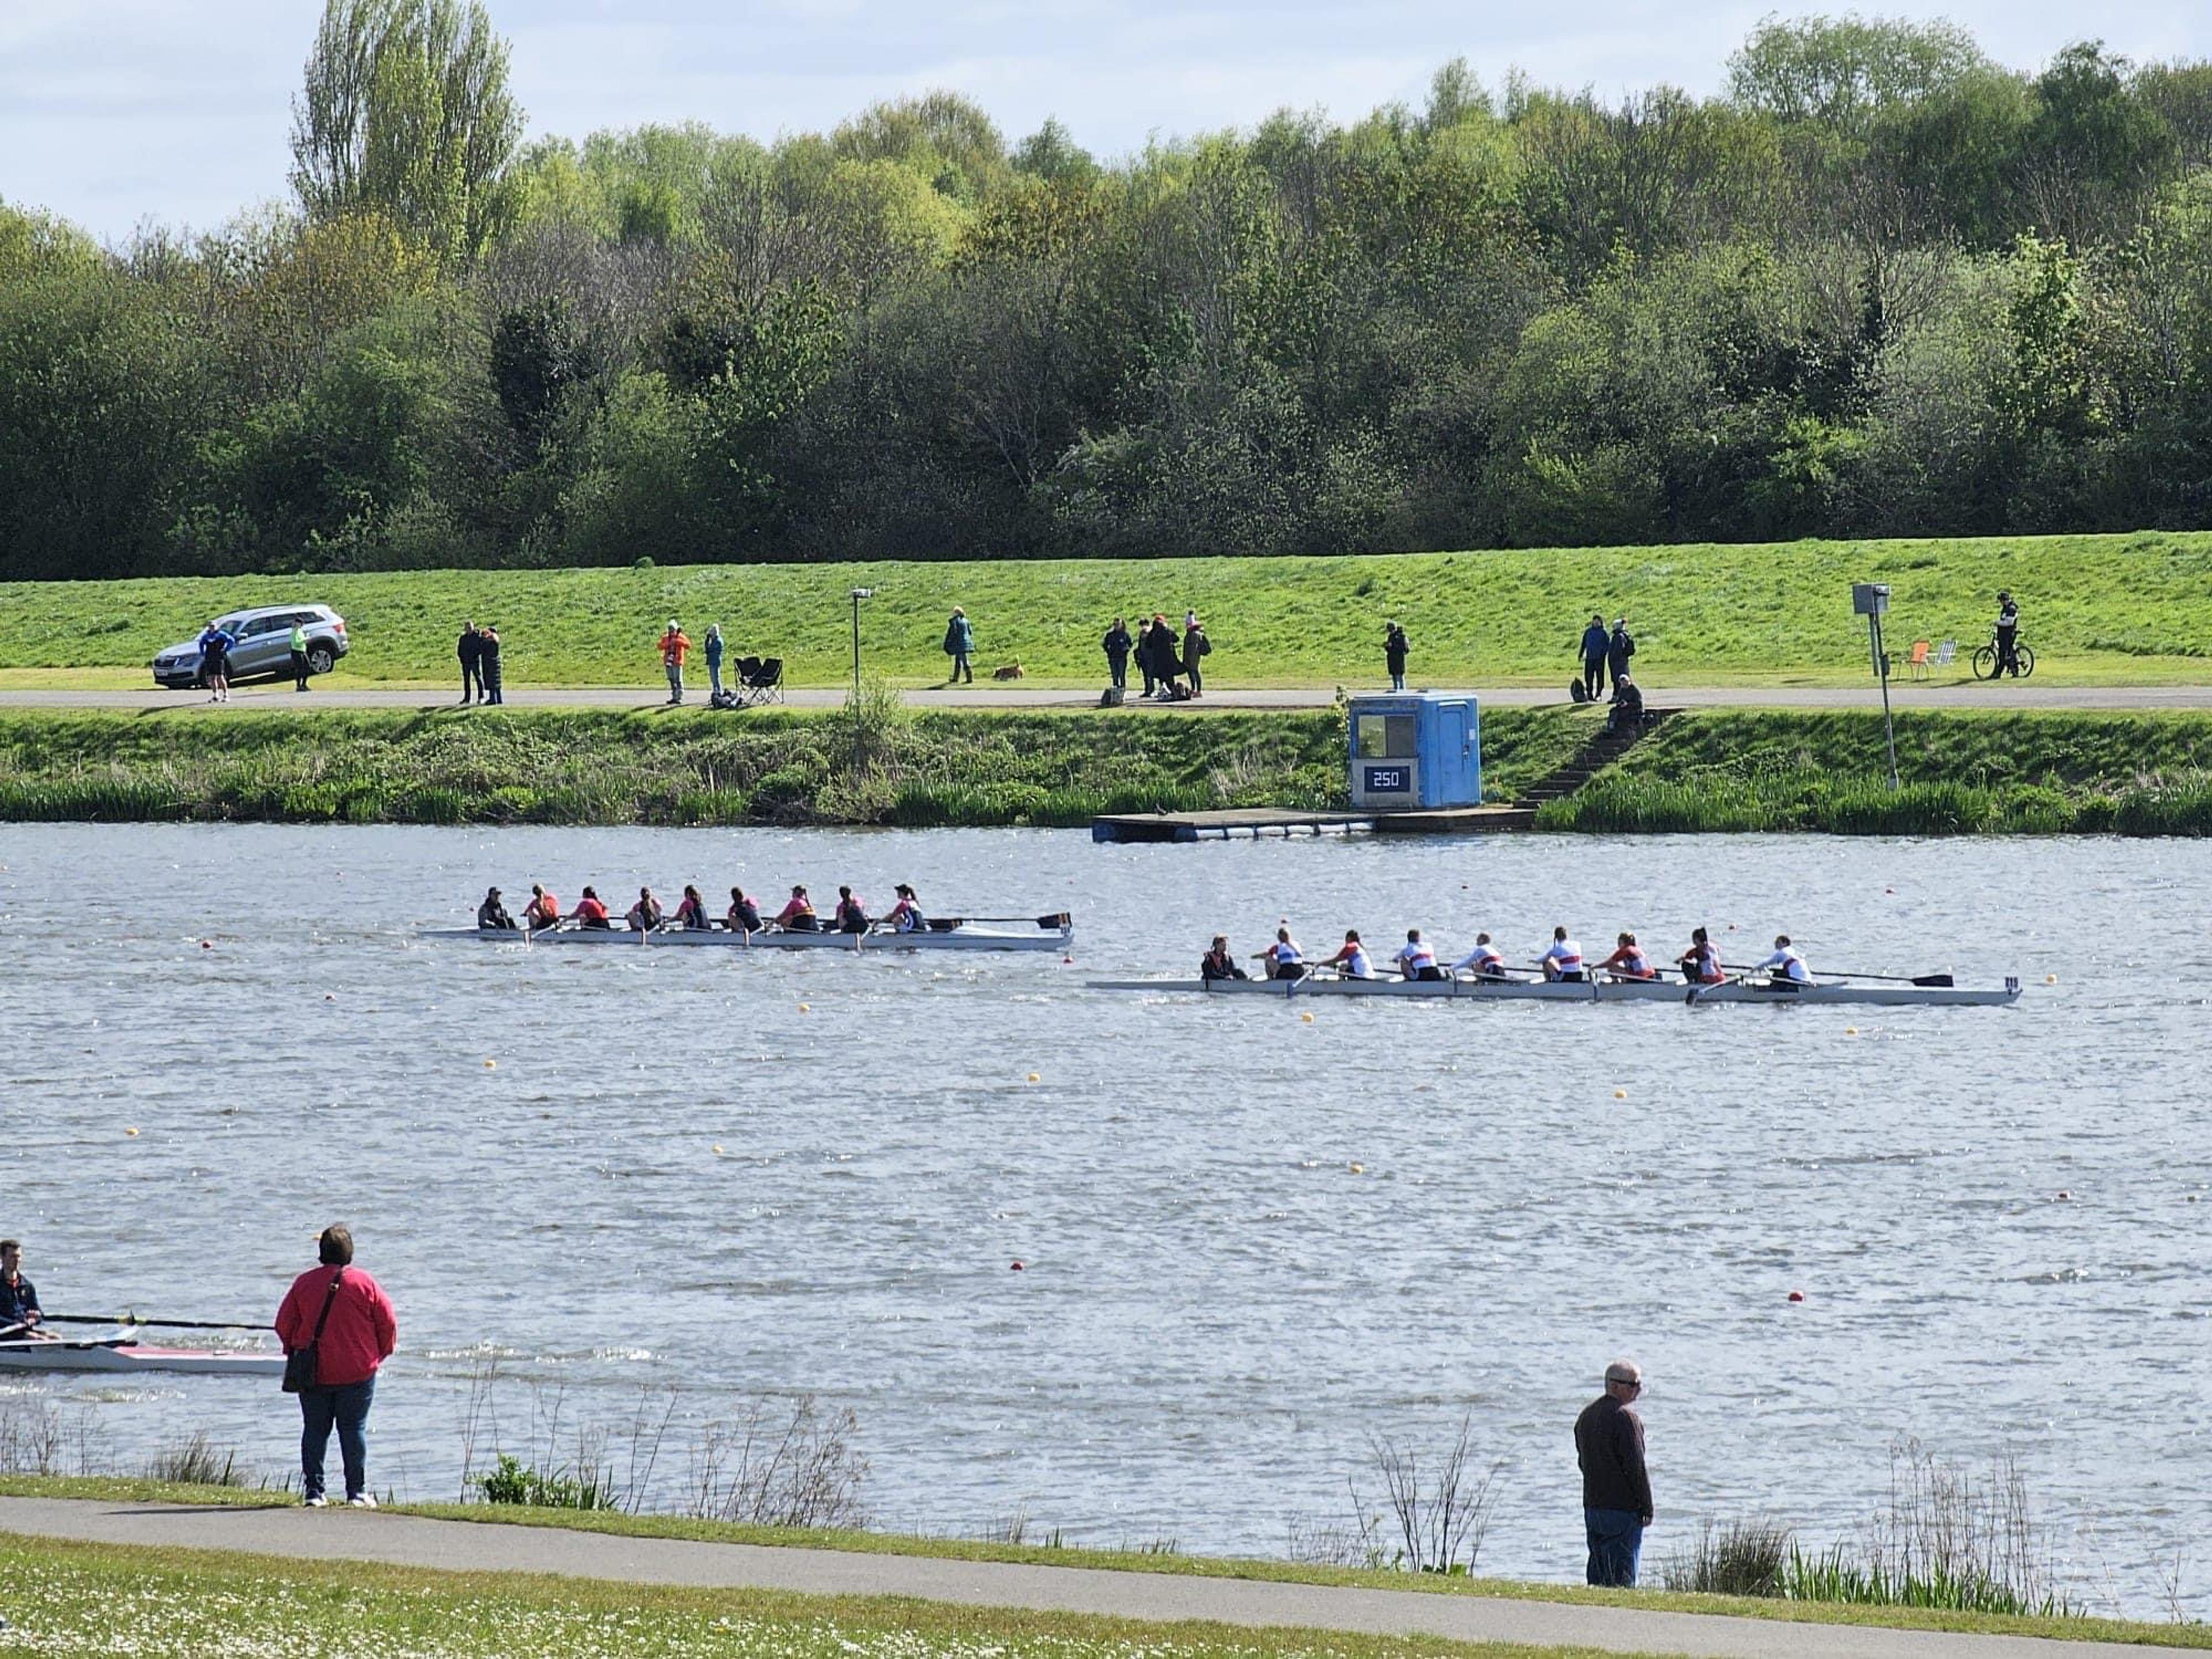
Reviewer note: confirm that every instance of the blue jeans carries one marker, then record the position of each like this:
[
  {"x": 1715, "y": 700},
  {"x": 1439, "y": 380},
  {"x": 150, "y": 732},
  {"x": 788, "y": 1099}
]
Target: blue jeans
[
  {"x": 1616, "y": 1537},
  {"x": 347, "y": 1408}
]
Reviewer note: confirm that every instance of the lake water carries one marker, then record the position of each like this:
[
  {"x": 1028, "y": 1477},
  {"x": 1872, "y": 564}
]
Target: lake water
[{"x": 1250, "y": 1242}]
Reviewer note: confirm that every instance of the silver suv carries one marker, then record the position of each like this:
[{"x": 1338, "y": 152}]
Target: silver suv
[{"x": 264, "y": 645}]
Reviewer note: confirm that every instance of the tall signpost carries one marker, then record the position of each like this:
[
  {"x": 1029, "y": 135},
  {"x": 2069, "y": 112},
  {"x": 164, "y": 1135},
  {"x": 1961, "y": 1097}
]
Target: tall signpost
[
  {"x": 859, "y": 594},
  {"x": 1871, "y": 600}
]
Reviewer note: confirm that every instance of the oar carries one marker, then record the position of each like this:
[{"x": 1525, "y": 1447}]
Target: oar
[
  {"x": 1934, "y": 981},
  {"x": 168, "y": 1324}
]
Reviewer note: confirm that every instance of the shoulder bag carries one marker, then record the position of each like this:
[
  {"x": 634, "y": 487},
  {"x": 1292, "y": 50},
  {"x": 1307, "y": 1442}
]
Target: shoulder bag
[{"x": 301, "y": 1364}]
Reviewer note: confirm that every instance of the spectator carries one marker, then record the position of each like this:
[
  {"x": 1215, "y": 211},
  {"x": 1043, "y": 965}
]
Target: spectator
[
  {"x": 1167, "y": 661},
  {"x": 488, "y": 671},
  {"x": 1118, "y": 645},
  {"x": 344, "y": 1315},
  {"x": 1195, "y": 645},
  {"x": 1616, "y": 1487},
  {"x": 299, "y": 644},
  {"x": 673, "y": 644},
  {"x": 470, "y": 652},
  {"x": 1146, "y": 665},
  {"x": 1394, "y": 654},
  {"x": 2007, "y": 635},
  {"x": 1597, "y": 644},
  {"x": 216, "y": 643},
  {"x": 714, "y": 661},
  {"x": 1619, "y": 648},
  {"x": 960, "y": 645},
  {"x": 1627, "y": 713}
]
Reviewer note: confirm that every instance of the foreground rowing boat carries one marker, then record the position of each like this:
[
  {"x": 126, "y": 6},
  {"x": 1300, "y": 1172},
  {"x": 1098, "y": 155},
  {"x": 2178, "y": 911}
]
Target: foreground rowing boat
[
  {"x": 1827, "y": 994},
  {"x": 124, "y": 1354},
  {"x": 1053, "y": 933}
]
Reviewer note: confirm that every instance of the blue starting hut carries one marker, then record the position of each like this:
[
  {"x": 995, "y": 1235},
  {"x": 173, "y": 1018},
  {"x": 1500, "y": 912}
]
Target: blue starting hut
[{"x": 1414, "y": 750}]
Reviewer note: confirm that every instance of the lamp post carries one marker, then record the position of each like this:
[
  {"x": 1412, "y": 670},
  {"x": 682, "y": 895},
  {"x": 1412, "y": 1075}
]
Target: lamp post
[
  {"x": 1871, "y": 600},
  {"x": 859, "y": 593}
]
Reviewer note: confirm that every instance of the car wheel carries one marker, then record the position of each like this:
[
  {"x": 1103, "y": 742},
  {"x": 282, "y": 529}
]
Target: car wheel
[{"x": 321, "y": 659}]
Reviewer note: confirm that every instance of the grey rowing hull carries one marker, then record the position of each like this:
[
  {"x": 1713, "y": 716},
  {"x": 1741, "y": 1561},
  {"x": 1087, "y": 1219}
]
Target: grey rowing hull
[
  {"x": 967, "y": 937},
  {"x": 1471, "y": 990}
]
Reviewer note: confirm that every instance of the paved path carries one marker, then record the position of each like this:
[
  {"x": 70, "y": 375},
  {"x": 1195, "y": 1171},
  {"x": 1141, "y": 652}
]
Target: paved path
[
  {"x": 460, "y": 1546},
  {"x": 2010, "y": 695}
]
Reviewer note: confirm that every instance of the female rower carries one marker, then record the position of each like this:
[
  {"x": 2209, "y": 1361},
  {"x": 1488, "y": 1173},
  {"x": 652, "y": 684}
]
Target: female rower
[
  {"x": 646, "y": 914},
  {"x": 797, "y": 916},
  {"x": 591, "y": 910},
  {"x": 1415, "y": 959},
  {"x": 1217, "y": 964},
  {"x": 1701, "y": 963},
  {"x": 1284, "y": 958},
  {"x": 692, "y": 911},
  {"x": 852, "y": 912},
  {"x": 544, "y": 910},
  {"x": 1351, "y": 962},
  {"x": 1628, "y": 960},
  {"x": 1564, "y": 961},
  {"x": 742, "y": 916},
  {"x": 1483, "y": 959},
  {"x": 1785, "y": 965},
  {"x": 906, "y": 916}
]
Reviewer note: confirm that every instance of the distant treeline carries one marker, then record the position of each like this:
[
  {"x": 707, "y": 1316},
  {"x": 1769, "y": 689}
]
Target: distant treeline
[{"x": 1883, "y": 285}]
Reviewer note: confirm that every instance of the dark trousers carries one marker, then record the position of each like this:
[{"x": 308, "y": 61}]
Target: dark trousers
[
  {"x": 347, "y": 1409},
  {"x": 960, "y": 669},
  {"x": 2008, "y": 652},
  {"x": 1197, "y": 679},
  {"x": 471, "y": 682},
  {"x": 1593, "y": 677},
  {"x": 487, "y": 677},
  {"x": 1119, "y": 668},
  {"x": 299, "y": 671},
  {"x": 1616, "y": 1538}
]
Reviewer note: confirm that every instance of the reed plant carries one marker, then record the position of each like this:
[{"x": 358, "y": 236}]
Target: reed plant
[{"x": 196, "y": 1460}]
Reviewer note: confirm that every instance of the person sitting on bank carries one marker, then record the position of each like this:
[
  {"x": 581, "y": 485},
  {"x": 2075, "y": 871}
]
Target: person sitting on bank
[
  {"x": 1701, "y": 963},
  {"x": 1484, "y": 961},
  {"x": 1350, "y": 960},
  {"x": 1563, "y": 961},
  {"x": 1627, "y": 705},
  {"x": 852, "y": 912},
  {"x": 743, "y": 916},
  {"x": 1628, "y": 960},
  {"x": 544, "y": 910},
  {"x": 493, "y": 914},
  {"x": 1217, "y": 964},
  {"x": 797, "y": 916},
  {"x": 591, "y": 910},
  {"x": 691, "y": 913},
  {"x": 646, "y": 914},
  {"x": 906, "y": 916},
  {"x": 19, "y": 1301},
  {"x": 1284, "y": 958},
  {"x": 1415, "y": 959}
]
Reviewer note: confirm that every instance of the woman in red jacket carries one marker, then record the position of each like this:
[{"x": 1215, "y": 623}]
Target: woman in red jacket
[{"x": 357, "y": 1330}]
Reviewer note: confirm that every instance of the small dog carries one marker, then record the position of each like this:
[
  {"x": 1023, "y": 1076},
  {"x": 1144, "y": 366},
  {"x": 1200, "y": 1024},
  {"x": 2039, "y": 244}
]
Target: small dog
[{"x": 1011, "y": 670}]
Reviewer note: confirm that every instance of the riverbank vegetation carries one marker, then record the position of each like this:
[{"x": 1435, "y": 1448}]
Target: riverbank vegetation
[
  {"x": 2110, "y": 609},
  {"x": 1881, "y": 284}
]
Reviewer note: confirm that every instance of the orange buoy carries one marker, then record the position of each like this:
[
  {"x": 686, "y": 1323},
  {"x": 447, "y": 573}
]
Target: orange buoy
[
  {"x": 1016, "y": 1268},
  {"x": 1796, "y": 1296}
]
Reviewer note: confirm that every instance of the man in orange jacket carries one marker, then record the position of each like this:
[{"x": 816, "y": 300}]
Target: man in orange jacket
[{"x": 673, "y": 645}]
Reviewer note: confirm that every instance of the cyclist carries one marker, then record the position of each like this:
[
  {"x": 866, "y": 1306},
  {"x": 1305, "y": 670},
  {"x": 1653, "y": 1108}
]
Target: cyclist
[{"x": 2007, "y": 635}]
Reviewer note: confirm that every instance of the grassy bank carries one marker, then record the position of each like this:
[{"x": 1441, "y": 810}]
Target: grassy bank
[
  {"x": 1962, "y": 774},
  {"x": 2107, "y": 609},
  {"x": 691, "y": 766}
]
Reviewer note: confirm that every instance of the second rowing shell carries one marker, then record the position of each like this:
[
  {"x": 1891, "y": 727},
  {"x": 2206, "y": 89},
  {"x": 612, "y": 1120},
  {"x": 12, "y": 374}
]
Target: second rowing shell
[
  {"x": 1470, "y": 990},
  {"x": 1058, "y": 935}
]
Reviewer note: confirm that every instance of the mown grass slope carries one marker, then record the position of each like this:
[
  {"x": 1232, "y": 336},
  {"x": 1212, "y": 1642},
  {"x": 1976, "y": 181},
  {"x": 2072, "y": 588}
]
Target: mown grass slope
[{"x": 2104, "y": 609}]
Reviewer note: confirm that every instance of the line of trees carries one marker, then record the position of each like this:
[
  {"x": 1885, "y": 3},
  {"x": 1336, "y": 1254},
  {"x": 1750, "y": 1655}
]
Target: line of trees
[{"x": 1882, "y": 284}]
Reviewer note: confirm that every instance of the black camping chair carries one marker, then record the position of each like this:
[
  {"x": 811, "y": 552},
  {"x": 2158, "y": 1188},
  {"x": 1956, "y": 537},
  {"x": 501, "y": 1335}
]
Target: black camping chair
[{"x": 760, "y": 680}]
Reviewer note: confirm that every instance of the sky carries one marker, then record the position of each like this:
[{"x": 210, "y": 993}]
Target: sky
[{"x": 114, "y": 113}]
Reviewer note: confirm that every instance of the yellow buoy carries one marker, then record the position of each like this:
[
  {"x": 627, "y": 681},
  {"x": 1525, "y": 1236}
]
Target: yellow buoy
[
  {"x": 491, "y": 1065},
  {"x": 2050, "y": 979},
  {"x": 1034, "y": 1078},
  {"x": 1360, "y": 1168},
  {"x": 1620, "y": 1094},
  {"x": 805, "y": 1007},
  {"x": 1306, "y": 1017},
  {"x": 130, "y": 1131},
  {"x": 1850, "y": 1031},
  {"x": 718, "y": 1149}
]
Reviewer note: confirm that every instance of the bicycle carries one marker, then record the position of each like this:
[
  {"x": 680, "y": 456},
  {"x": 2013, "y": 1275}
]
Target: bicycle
[{"x": 1985, "y": 659}]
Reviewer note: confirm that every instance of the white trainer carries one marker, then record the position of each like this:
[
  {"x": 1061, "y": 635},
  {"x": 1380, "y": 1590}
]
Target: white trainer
[{"x": 366, "y": 1501}]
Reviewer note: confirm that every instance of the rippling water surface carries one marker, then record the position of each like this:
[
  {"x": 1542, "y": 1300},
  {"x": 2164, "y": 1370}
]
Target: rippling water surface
[{"x": 1250, "y": 1242}]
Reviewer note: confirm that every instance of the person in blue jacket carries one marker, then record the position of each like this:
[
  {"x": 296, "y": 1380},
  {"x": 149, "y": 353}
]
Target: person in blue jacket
[
  {"x": 960, "y": 645},
  {"x": 714, "y": 659},
  {"x": 215, "y": 645},
  {"x": 1597, "y": 645}
]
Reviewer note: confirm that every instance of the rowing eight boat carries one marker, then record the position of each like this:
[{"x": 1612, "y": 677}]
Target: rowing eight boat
[
  {"x": 1054, "y": 933},
  {"x": 124, "y": 1354},
  {"x": 1827, "y": 994}
]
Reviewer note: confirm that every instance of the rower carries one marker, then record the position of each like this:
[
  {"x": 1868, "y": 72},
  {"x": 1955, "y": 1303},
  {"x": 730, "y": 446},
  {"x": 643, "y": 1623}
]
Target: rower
[
  {"x": 1701, "y": 963},
  {"x": 491, "y": 913},
  {"x": 1415, "y": 959},
  {"x": 19, "y": 1301},
  {"x": 1785, "y": 966},
  {"x": 591, "y": 910},
  {"x": 692, "y": 911},
  {"x": 1284, "y": 958},
  {"x": 797, "y": 916},
  {"x": 852, "y": 912},
  {"x": 1628, "y": 960},
  {"x": 646, "y": 914},
  {"x": 1483, "y": 959},
  {"x": 743, "y": 916},
  {"x": 906, "y": 916},
  {"x": 1217, "y": 964},
  {"x": 1563, "y": 962},
  {"x": 1350, "y": 961},
  {"x": 543, "y": 909}
]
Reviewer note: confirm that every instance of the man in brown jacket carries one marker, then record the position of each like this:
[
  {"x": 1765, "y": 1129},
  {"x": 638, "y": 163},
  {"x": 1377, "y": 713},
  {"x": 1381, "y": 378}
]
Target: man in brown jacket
[{"x": 1616, "y": 1487}]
